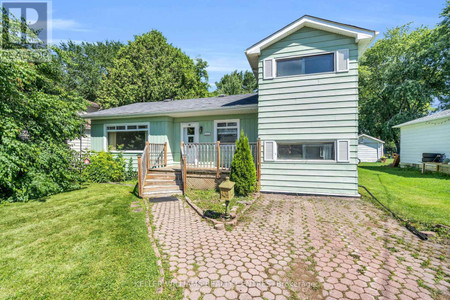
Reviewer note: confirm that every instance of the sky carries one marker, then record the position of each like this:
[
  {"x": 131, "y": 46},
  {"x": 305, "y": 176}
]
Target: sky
[{"x": 220, "y": 31}]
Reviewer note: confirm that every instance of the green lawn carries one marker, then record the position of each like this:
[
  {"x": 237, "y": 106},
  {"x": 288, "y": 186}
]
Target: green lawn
[
  {"x": 423, "y": 199},
  {"x": 85, "y": 244}
]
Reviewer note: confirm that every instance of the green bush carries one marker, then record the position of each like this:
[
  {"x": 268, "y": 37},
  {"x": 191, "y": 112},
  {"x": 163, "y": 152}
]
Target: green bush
[
  {"x": 243, "y": 171},
  {"x": 104, "y": 167},
  {"x": 131, "y": 173}
]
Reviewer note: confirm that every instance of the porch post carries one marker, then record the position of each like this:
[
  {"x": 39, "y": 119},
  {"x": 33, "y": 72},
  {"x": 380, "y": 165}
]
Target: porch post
[
  {"x": 139, "y": 176},
  {"x": 147, "y": 146},
  {"x": 165, "y": 154},
  {"x": 218, "y": 159},
  {"x": 258, "y": 160}
]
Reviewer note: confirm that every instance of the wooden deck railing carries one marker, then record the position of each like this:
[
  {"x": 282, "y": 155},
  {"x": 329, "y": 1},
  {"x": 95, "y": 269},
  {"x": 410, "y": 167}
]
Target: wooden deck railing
[
  {"x": 153, "y": 156},
  {"x": 183, "y": 167},
  {"x": 216, "y": 156}
]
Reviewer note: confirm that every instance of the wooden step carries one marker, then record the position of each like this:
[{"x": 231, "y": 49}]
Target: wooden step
[
  {"x": 163, "y": 177},
  {"x": 158, "y": 181},
  {"x": 161, "y": 188},
  {"x": 155, "y": 194}
]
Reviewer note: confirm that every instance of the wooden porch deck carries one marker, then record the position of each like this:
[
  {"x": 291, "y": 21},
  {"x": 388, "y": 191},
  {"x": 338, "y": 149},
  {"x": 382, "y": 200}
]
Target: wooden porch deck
[{"x": 198, "y": 158}]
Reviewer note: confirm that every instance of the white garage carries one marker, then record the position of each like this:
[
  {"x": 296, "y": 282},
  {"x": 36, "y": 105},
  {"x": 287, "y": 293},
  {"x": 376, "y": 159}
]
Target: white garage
[{"x": 370, "y": 149}]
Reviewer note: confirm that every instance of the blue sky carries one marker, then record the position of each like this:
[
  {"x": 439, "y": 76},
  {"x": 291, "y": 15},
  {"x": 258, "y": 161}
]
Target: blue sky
[{"x": 220, "y": 31}]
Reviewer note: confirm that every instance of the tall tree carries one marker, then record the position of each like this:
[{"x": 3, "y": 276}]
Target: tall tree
[
  {"x": 237, "y": 83},
  {"x": 84, "y": 65},
  {"x": 398, "y": 81},
  {"x": 150, "y": 69}
]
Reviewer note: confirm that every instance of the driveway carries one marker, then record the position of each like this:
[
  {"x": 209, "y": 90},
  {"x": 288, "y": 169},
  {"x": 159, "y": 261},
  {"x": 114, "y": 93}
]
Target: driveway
[{"x": 300, "y": 247}]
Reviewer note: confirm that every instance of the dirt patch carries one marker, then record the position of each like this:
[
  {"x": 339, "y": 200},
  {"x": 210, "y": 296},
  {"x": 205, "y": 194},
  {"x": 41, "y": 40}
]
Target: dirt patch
[{"x": 305, "y": 284}]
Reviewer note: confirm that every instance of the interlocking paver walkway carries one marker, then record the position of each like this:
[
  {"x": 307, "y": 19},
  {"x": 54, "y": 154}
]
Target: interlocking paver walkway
[{"x": 349, "y": 246}]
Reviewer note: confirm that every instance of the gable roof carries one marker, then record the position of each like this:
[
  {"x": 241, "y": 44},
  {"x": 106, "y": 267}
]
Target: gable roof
[
  {"x": 362, "y": 36},
  {"x": 370, "y": 137},
  {"x": 439, "y": 115},
  {"x": 245, "y": 103}
]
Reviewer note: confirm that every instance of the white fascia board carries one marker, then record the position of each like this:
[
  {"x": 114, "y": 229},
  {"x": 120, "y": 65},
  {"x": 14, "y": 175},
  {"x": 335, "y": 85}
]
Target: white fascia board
[
  {"x": 358, "y": 34},
  {"x": 370, "y": 137}
]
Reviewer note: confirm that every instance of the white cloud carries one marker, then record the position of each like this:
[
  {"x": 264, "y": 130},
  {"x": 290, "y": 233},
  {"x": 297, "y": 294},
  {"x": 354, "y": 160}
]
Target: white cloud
[{"x": 70, "y": 25}]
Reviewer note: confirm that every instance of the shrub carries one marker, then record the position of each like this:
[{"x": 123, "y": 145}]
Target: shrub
[
  {"x": 131, "y": 173},
  {"x": 104, "y": 167},
  {"x": 243, "y": 171}
]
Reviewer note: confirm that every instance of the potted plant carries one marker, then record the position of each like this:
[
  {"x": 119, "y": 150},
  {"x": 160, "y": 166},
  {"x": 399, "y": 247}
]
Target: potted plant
[{"x": 383, "y": 159}]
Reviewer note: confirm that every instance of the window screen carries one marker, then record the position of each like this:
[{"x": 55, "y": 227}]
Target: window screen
[
  {"x": 306, "y": 151},
  {"x": 306, "y": 65}
]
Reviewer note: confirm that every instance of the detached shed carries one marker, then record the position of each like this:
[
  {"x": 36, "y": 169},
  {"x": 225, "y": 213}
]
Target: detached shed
[
  {"x": 430, "y": 134},
  {"x": 370, "y": 149}
]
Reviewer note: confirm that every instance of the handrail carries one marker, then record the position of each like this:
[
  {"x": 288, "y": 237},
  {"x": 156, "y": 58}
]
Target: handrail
[
  {"x": 143, "y": 162},
  {"x": 183, "y": 167},
  {"x": 158, "y": 155}
]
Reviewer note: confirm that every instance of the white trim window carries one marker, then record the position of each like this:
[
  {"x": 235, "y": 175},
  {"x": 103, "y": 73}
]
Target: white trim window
[
  {"x": 226, "y": 131},
  {"x": 126, "y": 137},
  {"x": 302, "y": 65},
  {"x": 306, "y": 150}
]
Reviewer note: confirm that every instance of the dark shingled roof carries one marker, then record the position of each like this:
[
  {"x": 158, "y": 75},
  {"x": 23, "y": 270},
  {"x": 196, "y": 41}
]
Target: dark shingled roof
[
  {"x": 436, "y": 116},
  {"x": 179, "y": 106}
]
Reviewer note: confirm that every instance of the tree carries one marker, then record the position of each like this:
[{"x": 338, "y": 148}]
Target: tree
[
  {"x": 84, "y": 64},
  {"x": 149, "y": 69},
  {"x": 398, "y": 81},
  {"x": 237, "y": 83},
  {"x": 243, "y": 171},
  {"x": 37, "y": 117}
]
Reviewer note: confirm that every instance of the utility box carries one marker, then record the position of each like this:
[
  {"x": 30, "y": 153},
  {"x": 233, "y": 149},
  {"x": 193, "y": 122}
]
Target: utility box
[{"x": 226, "y": 190}]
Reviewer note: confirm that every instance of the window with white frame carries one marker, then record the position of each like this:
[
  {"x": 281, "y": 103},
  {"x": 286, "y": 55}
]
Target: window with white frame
[
  {"x": 127, "y": 137},
  {"x": 305, "y": 65},
  {"x": 227, "y": 131},
  {"x": 306, "y": 150}
]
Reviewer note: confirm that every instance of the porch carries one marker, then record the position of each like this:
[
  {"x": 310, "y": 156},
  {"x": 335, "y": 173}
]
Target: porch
[{"x": 201, "y": 165}]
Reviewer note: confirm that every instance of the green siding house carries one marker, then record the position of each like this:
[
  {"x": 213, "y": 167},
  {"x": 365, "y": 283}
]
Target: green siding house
[{"x": 305, "y": 113}]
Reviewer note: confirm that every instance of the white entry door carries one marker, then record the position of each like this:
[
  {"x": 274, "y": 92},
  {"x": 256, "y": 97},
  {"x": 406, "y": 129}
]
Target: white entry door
[{"x": 190, "y": 135}]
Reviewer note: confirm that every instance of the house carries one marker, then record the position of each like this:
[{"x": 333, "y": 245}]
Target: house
[
  {"x": 370, "y": 149},
  {"x": 84, "y": 142},
  {"x": 302, "y": 124},
  {"x": 430, "y": 134}
]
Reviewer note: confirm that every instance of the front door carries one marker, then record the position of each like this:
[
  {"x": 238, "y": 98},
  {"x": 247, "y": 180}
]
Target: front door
[{"x": 189, "y": 136}]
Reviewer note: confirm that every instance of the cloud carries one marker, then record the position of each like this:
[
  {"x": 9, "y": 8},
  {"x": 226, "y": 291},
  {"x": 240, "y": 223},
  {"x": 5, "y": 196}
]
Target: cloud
[{"x": 68, "y": 25}]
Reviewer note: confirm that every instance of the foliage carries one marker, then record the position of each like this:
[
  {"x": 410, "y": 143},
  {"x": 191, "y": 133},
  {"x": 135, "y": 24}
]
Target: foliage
[
  {"x": 37, "y": 117},
  {"x": 243, "y": 171},
  {"x": 84, "y": 65},
  {"x": 237, "y": 83},
  {"x": 104, "y": 167},
  {"x": 131, "y": 173},
  {"x": 58, "y": 248},
  {"x": 399, "y": 77},
  {"x": 150, "y": 69},
  {"x": 209, "y": 200}
]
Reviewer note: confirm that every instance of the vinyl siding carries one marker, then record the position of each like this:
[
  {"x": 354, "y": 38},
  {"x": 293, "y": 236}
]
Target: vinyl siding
[
  {"x": 369, "y": 150},
  {"x": 431, "y": 137},
  {"x": 313, "y": 107},
  {"x": 167, "y": 129}
]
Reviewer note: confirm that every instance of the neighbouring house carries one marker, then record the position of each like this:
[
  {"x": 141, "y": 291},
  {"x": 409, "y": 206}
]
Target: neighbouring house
[
  {"x": 370, "y": 149},
  {"x": 302, "y": 124},
  {"x": 84, "y": 142},
  {"x": 430, "y": 134}
]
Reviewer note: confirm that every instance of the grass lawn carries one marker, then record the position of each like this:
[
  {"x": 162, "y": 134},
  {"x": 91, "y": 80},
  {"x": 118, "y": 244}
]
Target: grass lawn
[
  {"x": 85, "y": 244},
  {"x": 423, "y": 199},
  {"x": 210, "y": 200}
]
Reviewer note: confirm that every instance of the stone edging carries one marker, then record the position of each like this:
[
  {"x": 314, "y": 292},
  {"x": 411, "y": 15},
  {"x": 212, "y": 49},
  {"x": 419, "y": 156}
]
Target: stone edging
[
  {"x": 220, "y": 225},
  {"x": 155, "y": 247}
]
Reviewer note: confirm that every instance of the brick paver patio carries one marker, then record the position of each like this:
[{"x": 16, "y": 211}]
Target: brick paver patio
[{"x": 304, "y": 247}]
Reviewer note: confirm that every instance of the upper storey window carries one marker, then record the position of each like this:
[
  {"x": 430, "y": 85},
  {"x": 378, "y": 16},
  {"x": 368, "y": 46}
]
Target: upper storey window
[{"x": 305, "y": 65}]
